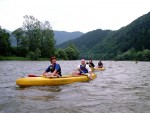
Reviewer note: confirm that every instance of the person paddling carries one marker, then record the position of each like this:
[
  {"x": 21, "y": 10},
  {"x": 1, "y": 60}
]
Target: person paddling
[
  {"x": 54, "y": 68},
  {"x": 100, "y": 64},
  {"x": 91, "y": 64},
  {"x": 82, "y": 69}
]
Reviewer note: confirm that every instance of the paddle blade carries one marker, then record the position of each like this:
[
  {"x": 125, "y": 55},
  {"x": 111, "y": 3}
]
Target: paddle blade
[{"x": 32, "y": 75}]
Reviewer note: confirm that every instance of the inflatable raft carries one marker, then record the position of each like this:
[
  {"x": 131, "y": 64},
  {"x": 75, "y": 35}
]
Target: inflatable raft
[
  {"x": 92, "y": 68},
  {"x": 43, "y": 81},
  {"x": 99, "y": 69}
]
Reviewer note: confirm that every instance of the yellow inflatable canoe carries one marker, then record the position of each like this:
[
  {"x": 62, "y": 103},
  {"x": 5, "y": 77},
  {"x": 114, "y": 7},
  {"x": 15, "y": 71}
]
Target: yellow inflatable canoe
[
  {"x": 92, "y": 68},
  {"x": 43, "y": 81},
  {"x": 99, "y": 69}
]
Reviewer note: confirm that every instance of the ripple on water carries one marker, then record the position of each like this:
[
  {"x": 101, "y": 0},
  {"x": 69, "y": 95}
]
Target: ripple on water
[{"x": 122, "y": 88}]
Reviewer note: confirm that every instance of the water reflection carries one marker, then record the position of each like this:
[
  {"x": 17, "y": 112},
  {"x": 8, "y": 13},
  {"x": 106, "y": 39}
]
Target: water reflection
[
  {"x": 41, "y": 88},
  {"x": 39, "y": 93},
  {"x": 38, "y": 98}
]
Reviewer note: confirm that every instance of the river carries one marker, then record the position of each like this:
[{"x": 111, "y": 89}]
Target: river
[{"x": 124, "y": 87}]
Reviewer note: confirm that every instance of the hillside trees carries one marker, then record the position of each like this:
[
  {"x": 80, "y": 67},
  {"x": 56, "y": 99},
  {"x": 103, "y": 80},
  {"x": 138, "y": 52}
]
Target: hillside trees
[
  {"x": 5, "y": 47},
  {"x": 36, "y": 38},
  {"x": 68, "y": 53},
  {"x": 132, "y": 54},
  {"x": 72, "y": 52},
  {"x": 131, "y": 42},
  {"x": 60, "y": 53}
]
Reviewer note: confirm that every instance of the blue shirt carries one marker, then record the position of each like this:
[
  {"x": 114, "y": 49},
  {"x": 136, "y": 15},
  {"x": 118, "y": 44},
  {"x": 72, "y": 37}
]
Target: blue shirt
[{"x": 54, "y": 67}]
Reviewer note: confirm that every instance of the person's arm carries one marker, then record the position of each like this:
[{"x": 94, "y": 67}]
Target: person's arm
[
  {"x": 44, "y": 72},
  {"x": 47, "y": 70},
  {"x": 89, "y": 71},
  {"x": 93, "y": 65},
  {"x": 88, "y": 68},
  {"x": 54, "y": 73},
  {"x": 78, "y": 68},
  {"x": 57, "y": 67}
]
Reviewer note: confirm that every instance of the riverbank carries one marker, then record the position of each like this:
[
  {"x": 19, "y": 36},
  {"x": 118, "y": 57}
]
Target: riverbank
[
  {"x": 15, "y": 58},
  {"x": 19, "y": 58}
]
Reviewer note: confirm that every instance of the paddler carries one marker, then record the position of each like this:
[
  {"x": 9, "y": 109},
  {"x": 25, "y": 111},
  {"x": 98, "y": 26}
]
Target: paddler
[
  {"x": 100, "y": 64},
  {"x": 83, "y": 69},
  {"x": 91, "y": 64},
  {"x": 54, "y": 69}
]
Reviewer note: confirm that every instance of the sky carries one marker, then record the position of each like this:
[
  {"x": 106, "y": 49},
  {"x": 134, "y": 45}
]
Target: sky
[{"x": 73, "y": 15}]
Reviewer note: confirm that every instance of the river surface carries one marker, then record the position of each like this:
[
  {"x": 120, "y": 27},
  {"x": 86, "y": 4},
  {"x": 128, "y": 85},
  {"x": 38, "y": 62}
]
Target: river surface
[{"x": 124, "y": 87}]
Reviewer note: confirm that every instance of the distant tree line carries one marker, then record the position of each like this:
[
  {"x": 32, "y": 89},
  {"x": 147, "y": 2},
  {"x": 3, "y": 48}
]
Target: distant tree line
[
  {"x": 34, "y": 40},
  {"x": 5, "y": 46},
  {"x": 69, "y": 53},
  {"x": 132, "y": 54}
]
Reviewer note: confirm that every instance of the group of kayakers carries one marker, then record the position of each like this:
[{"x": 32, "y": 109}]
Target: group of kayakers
[
  {"x": 83, "y": 68},
  {"x": 91, "y": 64}
]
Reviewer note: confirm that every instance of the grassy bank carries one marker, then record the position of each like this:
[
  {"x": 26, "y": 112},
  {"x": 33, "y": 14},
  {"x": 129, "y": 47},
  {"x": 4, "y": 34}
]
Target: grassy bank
[
  {"x": 12, "y": 58},
  {"x": 20, "y": 58}
]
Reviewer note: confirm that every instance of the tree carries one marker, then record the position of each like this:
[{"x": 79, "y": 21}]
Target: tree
[
  {"x": 37, "y": 53},
  {"x": 4, "y": 43},
  {"x": 139, "y": 56},
  {"x": 18, "y": 33},
  {"x": 31, "y": 55},
  {"x": 47, "y": 40},
  {"x": 32, "y": 29},
  {"x": 40, "y": 35},
  {"x": 36, "y": 37},
  {"x": 146, "y": 55},
  {"x": 22, "y": 43},
  {"x": 72, "y": 52},
  {"x": 60, "y": 53}
]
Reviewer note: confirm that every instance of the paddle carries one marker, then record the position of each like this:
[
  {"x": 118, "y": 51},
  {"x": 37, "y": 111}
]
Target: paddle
[
  {"x": 87, "y": 74},
  {"x": 31, "y": 75}
]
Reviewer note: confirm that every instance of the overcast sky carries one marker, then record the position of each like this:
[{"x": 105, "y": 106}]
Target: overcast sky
[{"x": 73, "y": 15}]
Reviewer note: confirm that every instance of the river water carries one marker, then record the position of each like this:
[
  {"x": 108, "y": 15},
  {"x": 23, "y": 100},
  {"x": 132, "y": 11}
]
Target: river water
[{"x": 124, "y": 87}]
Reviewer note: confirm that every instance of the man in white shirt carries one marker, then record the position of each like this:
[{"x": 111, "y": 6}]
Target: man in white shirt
[{"x": 84, "y": 69}]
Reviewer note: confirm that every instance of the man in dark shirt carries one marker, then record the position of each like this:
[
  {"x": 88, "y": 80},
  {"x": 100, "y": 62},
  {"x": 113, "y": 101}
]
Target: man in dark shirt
[
  {"x": 100, "y": 64},
  {"x": 54, "y": 68},
  {"x": 91, "y": 64}
]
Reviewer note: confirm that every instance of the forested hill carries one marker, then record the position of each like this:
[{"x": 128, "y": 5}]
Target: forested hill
[
  {"x": 88, "y": 40},
  {"x": 63, "y": 36},
  {"x": 130, "y": 39},
  {"x": 135, "y": 37}
]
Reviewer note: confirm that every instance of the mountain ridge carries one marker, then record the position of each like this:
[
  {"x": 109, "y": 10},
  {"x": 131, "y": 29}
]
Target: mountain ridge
[
  {"x": 59, "y": 36},
  {"x": 63, "y": 36},
  {"x": 135, "y": 35}
]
